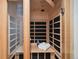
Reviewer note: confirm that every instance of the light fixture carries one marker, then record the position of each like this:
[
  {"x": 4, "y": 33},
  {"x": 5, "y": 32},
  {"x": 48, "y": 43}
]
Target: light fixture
[{"x": 42, "y": 10}]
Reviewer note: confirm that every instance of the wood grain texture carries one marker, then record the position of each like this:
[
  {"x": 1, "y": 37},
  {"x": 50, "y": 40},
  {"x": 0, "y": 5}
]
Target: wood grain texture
[
  {"x": 50, "y": 2},
  {"x": 63, "y": 39},
  {"x": 35, "y": 49},
  {"x": 26, "y": 28},
  {"x": 67, "y": 28},
  {"x": 3, "y": 30}
]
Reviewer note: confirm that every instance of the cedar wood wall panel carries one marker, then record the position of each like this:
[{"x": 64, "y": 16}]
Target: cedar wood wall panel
[
  {"x": 3, "y": 29},
  {"x": 26, "y": 28},
  {"x": 67, "y": 29}
]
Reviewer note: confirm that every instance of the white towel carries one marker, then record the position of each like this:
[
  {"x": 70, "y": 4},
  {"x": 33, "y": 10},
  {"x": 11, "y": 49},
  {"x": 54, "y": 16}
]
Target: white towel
[{"x": 44, "y": 46}]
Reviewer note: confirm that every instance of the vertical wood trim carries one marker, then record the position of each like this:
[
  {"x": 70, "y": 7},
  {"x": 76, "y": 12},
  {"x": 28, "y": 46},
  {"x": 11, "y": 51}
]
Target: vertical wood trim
[
  {"x": 63, "y": 39},
  {"x": 47, "y": 31},
  {"x": 26, "y": 28},
  {"x": 67, "y": 28},
  {"x": 53, "y": 31},
  {"x": 37, "y": 55},
  {"x": 71, "y": 31},
  {"x": 52, "y": 56},
  {"x": 34, "y": 31},
  {"x": 3, "y": 30},
  {"x": 61, "y": 35}
]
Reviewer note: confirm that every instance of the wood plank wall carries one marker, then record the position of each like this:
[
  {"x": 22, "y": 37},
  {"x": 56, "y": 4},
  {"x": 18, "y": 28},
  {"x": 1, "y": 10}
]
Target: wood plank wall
[
  {"x": 3, "y": 30},
  {"x": 67, "y": 28}
]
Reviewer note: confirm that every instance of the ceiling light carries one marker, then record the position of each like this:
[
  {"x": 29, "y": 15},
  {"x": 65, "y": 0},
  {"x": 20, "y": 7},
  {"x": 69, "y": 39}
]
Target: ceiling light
[{"x": 42, "y": 10}]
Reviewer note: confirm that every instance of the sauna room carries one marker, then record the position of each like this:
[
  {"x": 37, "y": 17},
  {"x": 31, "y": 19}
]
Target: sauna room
[{"x": 36, "y": 29}]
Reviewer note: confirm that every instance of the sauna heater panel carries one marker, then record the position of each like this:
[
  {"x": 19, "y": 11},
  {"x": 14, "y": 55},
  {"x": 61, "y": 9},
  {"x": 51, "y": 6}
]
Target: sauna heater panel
[{"x": 37, "y": 32}]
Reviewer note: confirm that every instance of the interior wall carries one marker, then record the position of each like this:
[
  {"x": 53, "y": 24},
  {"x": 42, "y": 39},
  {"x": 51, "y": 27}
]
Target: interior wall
[
  {"x": 53, "y": 14},
  {"x": 68, "y": 31},
  {"x": 40, "y": 16},
  {"x": 3, "y": 29},
  {"x": 37, "y": 15}
]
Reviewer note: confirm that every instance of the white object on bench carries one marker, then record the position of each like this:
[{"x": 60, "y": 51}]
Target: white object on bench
[{"x": 44, "y": 46}]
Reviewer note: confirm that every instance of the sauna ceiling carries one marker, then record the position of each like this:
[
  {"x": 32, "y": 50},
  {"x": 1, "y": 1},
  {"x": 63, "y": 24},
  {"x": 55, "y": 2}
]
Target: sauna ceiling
[
  {"x": 51, "y": 7},
  {"x": 40, "y": 5}
]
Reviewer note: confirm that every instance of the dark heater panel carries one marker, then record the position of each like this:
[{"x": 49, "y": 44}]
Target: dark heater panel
[
  {"x": 31, "y": 26},
  {"x": 57, "y": 19},
  {"x": 38, "y": 23},
  {"x": 57, "y": 42},
  {"x": 40, "y": 26},
  {"x": 21, "y": 56},
  {"x": 50, "y": 43},
  {"x": 34, "y": 55},
  {"x": 40, "y": 37},
  {"x": 41, "y": 55},
  {"x": 50, "y": 35},
  {"x": 56, "y": 25},
  {"x": 50, "y": 26},
  {"x": 50, "y": 30},
  {"x": 40, "y": 33},
  {"x": 56, "y": 30},
  {"x": 50, "y": 22},
  {"x": 57, "y": 48},
  {"x": 13, "y": 57},
  {"x": 32, "y": 37},
  {"x": 32, "y": 30},
  {"x": 32, "y": 23},
  {"x": 31, "y": 33},
  {"x": 51, "y": 39},
  {"x": 48, "y": 56},
  {"x": 57, "y": 37},
  {"x": 42, "y": 30},
  {"x": 56, "y": 57}
]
